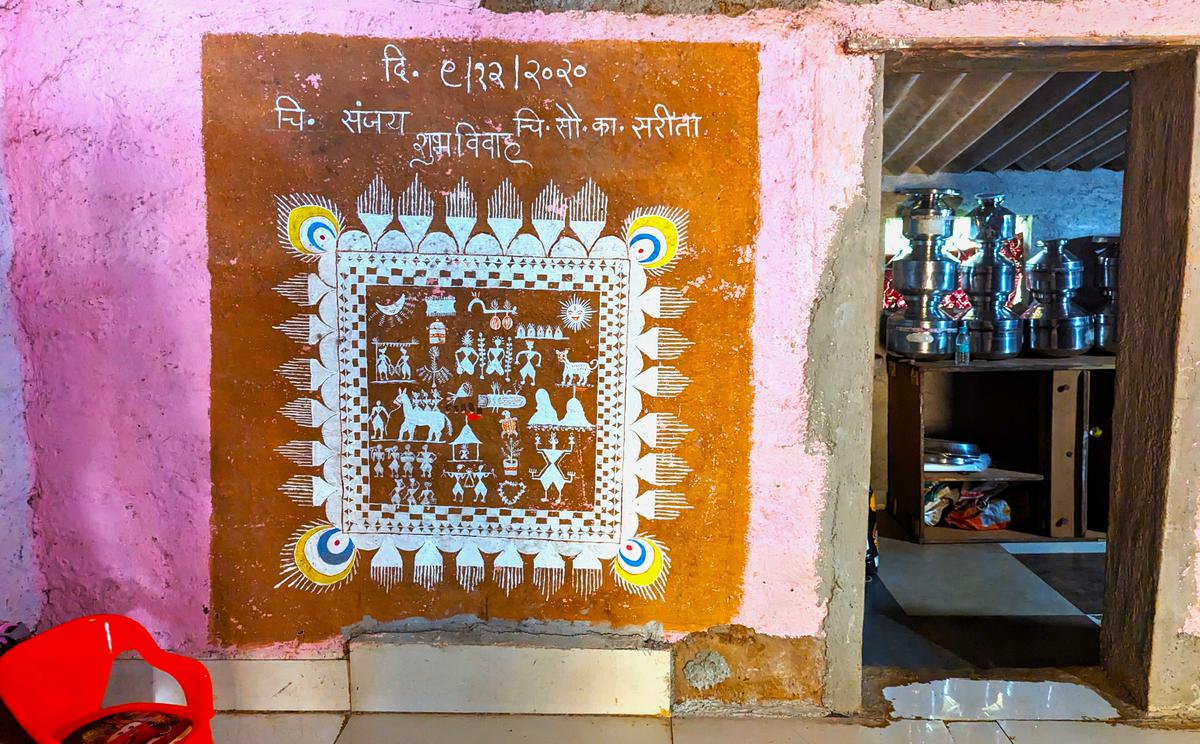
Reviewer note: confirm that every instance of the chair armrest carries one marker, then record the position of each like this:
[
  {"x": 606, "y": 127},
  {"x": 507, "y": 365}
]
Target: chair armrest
[{"x": 191, "y": 675}]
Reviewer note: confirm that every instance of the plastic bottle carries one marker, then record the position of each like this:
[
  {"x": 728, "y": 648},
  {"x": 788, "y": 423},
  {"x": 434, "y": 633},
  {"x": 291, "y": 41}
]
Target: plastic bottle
[{"x": 962, "y": 346}]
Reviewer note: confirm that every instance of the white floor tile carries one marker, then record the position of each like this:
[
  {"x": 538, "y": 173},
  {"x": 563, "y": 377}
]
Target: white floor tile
[
  {"x": 1063, "y": 732},
  {"x": 897, "y": 732},
  {"x": 747, "y": 730},
  {"x": 805, "y": 731},
  {"x": 977, "y": 732},
  {"x": 959, "y": 699},
  {"x": 399, "y": 728},
  {"x": 972, "y": 580},
  {"x": 276, "y": 728}
]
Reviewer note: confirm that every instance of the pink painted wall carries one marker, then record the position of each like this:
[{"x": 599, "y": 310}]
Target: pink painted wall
[
  {"x": 101, "y": 119},
  {"x": 20, "y": 579}
]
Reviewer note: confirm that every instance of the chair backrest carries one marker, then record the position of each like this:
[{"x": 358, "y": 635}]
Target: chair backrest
[{"x": 59, "y": 677}]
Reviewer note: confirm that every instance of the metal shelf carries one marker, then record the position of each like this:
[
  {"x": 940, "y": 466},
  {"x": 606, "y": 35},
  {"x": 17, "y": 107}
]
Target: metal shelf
[
  {"x": 1018, "y": 364},
  {"x": 987, "y": 474}
]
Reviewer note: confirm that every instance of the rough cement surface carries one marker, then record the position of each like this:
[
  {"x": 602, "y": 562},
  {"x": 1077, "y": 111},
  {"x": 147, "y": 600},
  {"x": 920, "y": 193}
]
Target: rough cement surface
[
  {"x": 764, "y": 669},
  {"x": 20, "y": 578},
  {"x": 706, "y": 669},
  {"x": 474, "y": 631},
  {"x": 839, "y": 376}
]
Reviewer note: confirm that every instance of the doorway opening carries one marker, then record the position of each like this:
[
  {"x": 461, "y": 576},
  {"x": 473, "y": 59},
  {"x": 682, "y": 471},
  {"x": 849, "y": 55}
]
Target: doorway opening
[
  {"x": 992, "y": 474},
  {"x": 997, "y": 476}
]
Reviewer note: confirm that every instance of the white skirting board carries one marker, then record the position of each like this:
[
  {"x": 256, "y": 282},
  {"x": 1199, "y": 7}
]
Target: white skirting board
[
  {"x": 243, "y": 684},
  {"x": 427, "y": 678}
]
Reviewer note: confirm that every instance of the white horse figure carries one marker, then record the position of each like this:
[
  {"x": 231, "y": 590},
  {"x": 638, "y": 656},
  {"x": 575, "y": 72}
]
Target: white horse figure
[{"x": 414, "y": 417}]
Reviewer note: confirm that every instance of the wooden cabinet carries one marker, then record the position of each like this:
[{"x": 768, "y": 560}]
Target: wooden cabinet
[{"x": 1032, "y": 416}]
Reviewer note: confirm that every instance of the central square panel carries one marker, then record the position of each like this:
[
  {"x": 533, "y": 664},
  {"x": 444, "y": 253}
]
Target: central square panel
[{"x": 483, "y": 396}]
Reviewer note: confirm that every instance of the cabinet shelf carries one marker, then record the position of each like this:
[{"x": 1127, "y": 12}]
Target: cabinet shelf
[
  {"x": 987, "y": 474},
  {"x": 1033, "y": 420},
  {"x": 1018, "y": 364}
]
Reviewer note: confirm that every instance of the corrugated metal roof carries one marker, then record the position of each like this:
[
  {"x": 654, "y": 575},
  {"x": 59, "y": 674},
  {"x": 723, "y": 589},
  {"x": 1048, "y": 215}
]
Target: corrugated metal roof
[{"x": 990, "y": 121}]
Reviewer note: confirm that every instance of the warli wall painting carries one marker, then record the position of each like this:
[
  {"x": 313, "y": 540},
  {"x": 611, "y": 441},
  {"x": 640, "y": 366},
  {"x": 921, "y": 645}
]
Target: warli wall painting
[{"x": 481, "y": 330}]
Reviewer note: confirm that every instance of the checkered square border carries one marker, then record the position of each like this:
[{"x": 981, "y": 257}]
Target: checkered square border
[{"x": 608, "y": 277}]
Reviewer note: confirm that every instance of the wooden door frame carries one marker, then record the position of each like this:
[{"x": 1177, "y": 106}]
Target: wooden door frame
[{"x": 1152, "y": 543}]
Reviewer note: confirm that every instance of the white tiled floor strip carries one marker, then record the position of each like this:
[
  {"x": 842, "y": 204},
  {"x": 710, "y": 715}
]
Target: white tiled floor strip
[
  {"x": 395, "y": 728},
  {"x": 957, "y": 699}
]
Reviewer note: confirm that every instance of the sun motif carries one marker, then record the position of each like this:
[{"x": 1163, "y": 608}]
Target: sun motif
[{"x": 576, "y": 313}]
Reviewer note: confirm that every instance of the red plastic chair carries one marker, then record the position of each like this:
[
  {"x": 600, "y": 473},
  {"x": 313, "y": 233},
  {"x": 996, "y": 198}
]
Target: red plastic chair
[{"x": 54, "y": 682}]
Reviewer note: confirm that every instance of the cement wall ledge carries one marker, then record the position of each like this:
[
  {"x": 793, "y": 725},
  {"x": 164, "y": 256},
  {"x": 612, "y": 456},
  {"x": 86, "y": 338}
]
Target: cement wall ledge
[{"x": 493, "y": 635}]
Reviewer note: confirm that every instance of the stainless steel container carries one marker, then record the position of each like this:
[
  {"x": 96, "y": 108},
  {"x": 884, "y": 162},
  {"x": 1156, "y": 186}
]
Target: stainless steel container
[
  {"x": 1107, "y": 250},
  {"x": 922, "y": 330},
  {"x": 988, "y": 279},
  {"x": 1055, "y": 324}
]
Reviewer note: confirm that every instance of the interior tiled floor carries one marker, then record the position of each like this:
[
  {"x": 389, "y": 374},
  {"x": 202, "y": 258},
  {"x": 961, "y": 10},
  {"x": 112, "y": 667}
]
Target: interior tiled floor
[
  {"x": 317, "y": 728},
  {"x": 984, "y": 606}
]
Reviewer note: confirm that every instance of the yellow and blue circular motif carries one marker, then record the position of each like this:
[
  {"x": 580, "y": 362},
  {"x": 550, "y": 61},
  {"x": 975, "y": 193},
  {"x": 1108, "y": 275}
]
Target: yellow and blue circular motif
[
  {"x": 653, "y": 240},
  {"x": 325, "y": 555},
  {"x": 313, "y": 229},
  {"x": 639, "y": 562}
]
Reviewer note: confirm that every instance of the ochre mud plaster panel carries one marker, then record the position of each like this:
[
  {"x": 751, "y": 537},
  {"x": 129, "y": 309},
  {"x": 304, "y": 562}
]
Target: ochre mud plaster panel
[
  {"x": 465, "y": 355},
  {"x": 733, "y": 665}
]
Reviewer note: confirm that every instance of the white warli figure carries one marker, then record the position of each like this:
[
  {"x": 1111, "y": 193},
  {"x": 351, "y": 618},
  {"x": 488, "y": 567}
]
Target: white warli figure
[
  {"x": 379, "y": 421},
  {"x": 377, "y": 460},
  {"x": 530, "y": 360},
  {"x": 479, "y": 474},
  {"x": 551, "y": 477},
  {"x": 465, "y": 357},
  {"x": 403, "y": 366},
  {"x": 459, "y": 476},
  {"x": 383, "y": 365},
  {"x": 425, "y": 459},
  {"x": 393, "y": 454},
  {"x": 495, "y": 358},
  {"x": 411, "y": 491}
]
